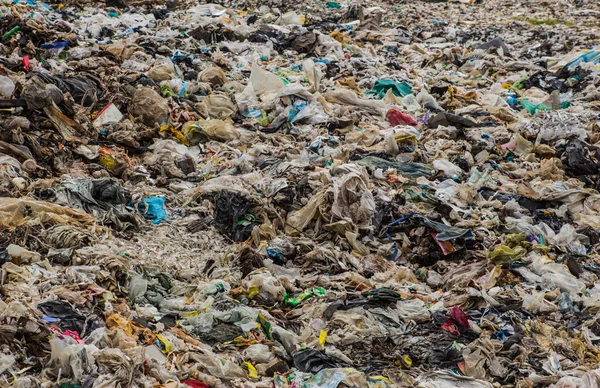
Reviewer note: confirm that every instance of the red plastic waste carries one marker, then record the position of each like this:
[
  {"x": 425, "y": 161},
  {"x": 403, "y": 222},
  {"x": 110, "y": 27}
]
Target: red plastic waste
[
  {"x": 195, "y": 384},
  {"x": 458, "y": 315},
  {"x": 395, "y": 117}
]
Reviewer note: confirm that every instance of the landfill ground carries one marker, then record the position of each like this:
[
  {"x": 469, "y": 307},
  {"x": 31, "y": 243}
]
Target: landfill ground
[{"x": 312, "y": 194}]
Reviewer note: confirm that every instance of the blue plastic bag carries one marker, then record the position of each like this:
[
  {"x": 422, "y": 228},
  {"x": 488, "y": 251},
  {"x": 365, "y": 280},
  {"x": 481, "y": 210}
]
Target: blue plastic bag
[{"x": 153, "y": 208}]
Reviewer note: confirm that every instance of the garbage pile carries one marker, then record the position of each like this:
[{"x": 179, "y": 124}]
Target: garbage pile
[{"x": 312, "y": 194}]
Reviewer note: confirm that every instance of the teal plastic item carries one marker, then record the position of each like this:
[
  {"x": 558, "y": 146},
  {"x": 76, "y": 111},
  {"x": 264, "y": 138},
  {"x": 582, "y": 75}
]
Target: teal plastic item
[
  {"x": 153, "y": 208},
  {"x": 400, "y": 89},
  {"x": 533, "y": 108}
]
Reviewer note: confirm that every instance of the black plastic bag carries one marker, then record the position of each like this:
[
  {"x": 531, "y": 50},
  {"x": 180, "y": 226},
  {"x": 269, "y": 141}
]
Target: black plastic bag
[
  {"x": 85, "y": 90},
  {"x": 70, "y": 319},
  {"x": 230, "y": 209},
  {"x": 313, "y": 361}
]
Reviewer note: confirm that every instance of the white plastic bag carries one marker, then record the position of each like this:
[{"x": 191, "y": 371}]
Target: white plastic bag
[
  {"x": 557, "y": 274},
  {"x": 413, "y": 309},
  {"x": 7, "y": 87},
  {"x": 246, "y": 100},
  {"x": 449, "y": 168},
  {"x": 258, "y": 353},
  {"x": 266, "y": 85},
  {"x": 313, "y": 75}
]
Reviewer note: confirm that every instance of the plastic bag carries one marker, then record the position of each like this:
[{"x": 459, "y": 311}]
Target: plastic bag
[
  {"x": 536, "y": 303},
  {"x": 6, "y": 362},
  {"x": 449, "y": 168},
  {"x": 178, "y": 88},
  {"x": 162, "y": 72},
  {"x": 7, "y": 87},
  {"x": 246, "y": 100},
  {"x": 211, "y": 363},
  {"x": 395, "y": 117},
  {"x": 591, "y": 379},
  {"x": 137, "y": 287},
  {"x": 326, "y": 46},
  {"x": 258, "y": 353},
  {"x": 348, "y": 97},
  {"x": 532, "y": 108},
  {"x": 298, "y": 220},
  {"x": 313, "y": 75},
  {"x": 266, "y": 85},
  {"x": 219, "y": 106},
  {"x": 399, "y": 89},
  {"x": 444, "y": 379},
  {"x": 567, "y": 382},
  {"x": 213, "y": 75},
  {"x": 503, "y": 254},
  {"x": 426, "y": 100},
  {"x": 21, "y": 255},
  {"x": 298, "y": 106},
  {"x": 149, "y": 106},
  {"x": 215, "y": 129},
  {"x": 518, "y": 145},
  {"x": 410, "y": 103},
  {"x": 353, "y": 200},
  {"x": 85, "y": 90},
  {"x": 264, "y": 282},
  {"x": 557, "y": 274},
  {"x": 153, "y": 208},
  {"x": 15, "y": 212},
  {"x": 72, "y": 360},
  {"x": 291, "y": 18},
  {"x": 413, "y": 309}
]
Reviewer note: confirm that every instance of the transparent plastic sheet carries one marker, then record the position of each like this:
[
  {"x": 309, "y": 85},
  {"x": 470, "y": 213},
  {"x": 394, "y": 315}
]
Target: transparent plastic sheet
[
  {"x": 536, "y": 303},
  {"x": 443, "y": 379},
  {"x": 219, "y": 106},
  {"x": 209, "y": 362},
  {"x": 212, "y": 129},
  {"x": 258, "y": 353},
  {"x": 557, "y": 274},
  {"x": 18, "y": 211},
  {"x": 149, "y": 107},
  {"x": 6, "y": 362},
  {"x": 348, "y": 97},
  {"x": 298, "y": 220},
  {"x": 352, "y": 200},
  {"x": 70, "y": 359},
  {"x": 298, "y": 105}
]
